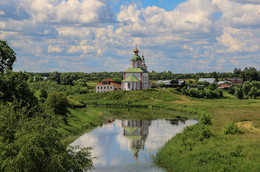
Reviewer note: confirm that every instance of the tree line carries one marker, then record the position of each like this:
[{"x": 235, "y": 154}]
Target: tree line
[{"x": 74, "y": 78}]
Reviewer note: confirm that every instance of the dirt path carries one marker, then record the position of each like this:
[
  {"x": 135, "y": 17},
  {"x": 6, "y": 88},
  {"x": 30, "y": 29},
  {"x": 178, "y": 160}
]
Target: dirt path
[
  {"x": 183, "y": 100},
  {"x": 247, "y": 125}
]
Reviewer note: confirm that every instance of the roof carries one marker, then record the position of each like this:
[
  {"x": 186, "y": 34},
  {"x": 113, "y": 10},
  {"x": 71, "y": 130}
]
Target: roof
[
  {"x": 112, "y": 83},
  {"x": 131, "y": 69},
  {"x": 131, "y": 78},
  {"x": 224, "y": 86},
  {"x": 209, "y": 80},
  {"x": 108, "y": 80},
  {"x": 136, "y": 57},
  {"x": 235, "y": 80}
]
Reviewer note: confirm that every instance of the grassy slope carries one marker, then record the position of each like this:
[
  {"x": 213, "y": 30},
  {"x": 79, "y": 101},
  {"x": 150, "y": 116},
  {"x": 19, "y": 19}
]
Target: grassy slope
[{"x": 187, "y": 152}]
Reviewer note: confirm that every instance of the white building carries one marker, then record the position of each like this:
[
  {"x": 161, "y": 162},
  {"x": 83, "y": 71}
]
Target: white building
[{"x": 136, "y": 77}]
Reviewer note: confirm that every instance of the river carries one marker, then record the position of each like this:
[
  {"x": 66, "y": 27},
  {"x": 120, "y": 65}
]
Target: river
[{"x": 129, "y": 145}]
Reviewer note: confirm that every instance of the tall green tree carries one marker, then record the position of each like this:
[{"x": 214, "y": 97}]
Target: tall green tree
[
  {"x": 7, "y": 56},
  {"x": 13, "y": 88},
  {"x": 58, "y": 104}
]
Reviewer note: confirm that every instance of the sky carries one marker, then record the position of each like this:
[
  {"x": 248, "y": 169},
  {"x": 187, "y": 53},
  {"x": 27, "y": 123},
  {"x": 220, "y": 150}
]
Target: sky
[{"x": 182, "y": 36}]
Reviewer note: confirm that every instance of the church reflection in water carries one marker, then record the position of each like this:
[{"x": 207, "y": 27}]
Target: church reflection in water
[{"x": 136, "y": 131}]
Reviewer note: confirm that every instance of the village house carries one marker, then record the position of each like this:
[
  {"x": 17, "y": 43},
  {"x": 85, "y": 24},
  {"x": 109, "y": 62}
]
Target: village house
[
  {"x": 107, "y": 85},
  {"x": 136, "y": 77},
  {"x": 175, "y": 83},
  {"x": 235, "y": 80},
  {"x": 209, "y": 80},
  {"x": 224, "y": 87},
  {"x": 224, "y": 83}
]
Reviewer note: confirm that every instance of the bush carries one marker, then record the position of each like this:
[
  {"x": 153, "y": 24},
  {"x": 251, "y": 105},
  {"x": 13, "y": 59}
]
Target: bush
[
  {"x": 205, "y": 134},
  {"x": 205, "y": 119},
  {"x": 239, "y": 93},
  {"x": 232, "y": 128}
]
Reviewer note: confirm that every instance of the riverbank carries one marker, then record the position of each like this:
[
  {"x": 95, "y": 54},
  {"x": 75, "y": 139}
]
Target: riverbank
[
  {"x": 206, "y": 148},
  {"x": 201, "y": 147}
]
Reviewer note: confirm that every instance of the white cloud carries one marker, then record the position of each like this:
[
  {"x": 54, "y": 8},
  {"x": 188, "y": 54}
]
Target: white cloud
[
  {"x": 70, "y": 11},
  {"x": 54, "y": 49},
  {"x": 81, "y": 49},
  {"x": 197, "y": 32}
]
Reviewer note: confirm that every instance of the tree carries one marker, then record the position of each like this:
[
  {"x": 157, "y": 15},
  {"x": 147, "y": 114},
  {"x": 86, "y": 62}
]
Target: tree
[
  {"x": 239, "y": 93},
  {"x": 246, "y": 87},
  {"x": 55, "y": 76},
  {"x": 15, "y": 89},
  {"x": 212, "y": 86},
  {"x": 7, "y": 57},
  {"x": 252, "y": 93},
  {"x": 58, "y": 104},
  {"x": 43, "y": 95},
  {"x": 250, "y": 74}
]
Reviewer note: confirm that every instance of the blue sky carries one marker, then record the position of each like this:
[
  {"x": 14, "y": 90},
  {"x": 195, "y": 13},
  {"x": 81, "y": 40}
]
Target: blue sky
[{"x": 182, "y": 36}]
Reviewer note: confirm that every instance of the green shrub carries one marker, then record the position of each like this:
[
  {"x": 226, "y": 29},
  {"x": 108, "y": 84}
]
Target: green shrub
[
  {"x": 205, "y": 119},
  {"x": 232, "y": 128},
  {"x": 205, "y": 134}
]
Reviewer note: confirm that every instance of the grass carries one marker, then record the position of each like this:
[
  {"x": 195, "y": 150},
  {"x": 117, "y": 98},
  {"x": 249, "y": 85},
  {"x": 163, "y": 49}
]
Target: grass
[{"x": 232, "y": 152}]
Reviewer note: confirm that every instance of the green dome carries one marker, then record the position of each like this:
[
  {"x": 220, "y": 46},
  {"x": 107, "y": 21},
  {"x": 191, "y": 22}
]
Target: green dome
[{"x": 136, "y": 58}]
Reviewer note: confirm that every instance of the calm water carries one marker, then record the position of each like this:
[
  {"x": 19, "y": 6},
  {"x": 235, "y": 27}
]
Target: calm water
[{"x": 128, "y": 145}]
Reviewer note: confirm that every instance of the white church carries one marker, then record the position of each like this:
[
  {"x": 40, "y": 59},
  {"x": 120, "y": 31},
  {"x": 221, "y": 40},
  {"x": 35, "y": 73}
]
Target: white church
[{"x": 136, "y": 77}]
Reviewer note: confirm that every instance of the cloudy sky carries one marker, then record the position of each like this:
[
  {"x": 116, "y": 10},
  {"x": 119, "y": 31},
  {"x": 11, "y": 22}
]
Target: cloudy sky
[{"x": 99, "y": 35}]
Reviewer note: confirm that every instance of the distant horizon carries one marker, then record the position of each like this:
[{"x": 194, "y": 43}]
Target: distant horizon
[{"x": 182, "y": 36}]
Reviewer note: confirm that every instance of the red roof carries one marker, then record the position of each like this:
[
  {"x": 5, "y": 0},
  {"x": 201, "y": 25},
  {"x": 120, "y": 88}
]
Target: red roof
[
  {"x": 111, "y": 80},
  {"x": 112, "y": 83},
  {"x": 224, "y": 86}
]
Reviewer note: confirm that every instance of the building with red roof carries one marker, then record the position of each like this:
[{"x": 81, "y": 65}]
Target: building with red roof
[{"x": 107, "y": 85}]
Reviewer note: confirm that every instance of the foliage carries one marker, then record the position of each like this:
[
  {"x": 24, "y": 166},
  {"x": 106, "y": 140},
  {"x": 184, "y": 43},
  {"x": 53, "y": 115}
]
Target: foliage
[
  {"x": 205, "y": 134},
  {"x": 15, "y": 89},
  {"x": 253, "y": 92},
  {"x": 161, "y": 84},
  {"x": 205, "y": 119},
  {"x": 239, "y": 93},
  {"x": 35, "y": 144},
  {"x": 51, "y": 86},
  {"x": 43, "y": 95},
  {"x": 7, "y": 57},
  {"x": 212, "y": 86},
  {"x": 205, "y": 93},
  {"x": 58, "y": 104},
  {"x": 231, "y": 90},
  {"x": 231, "y": 128}
]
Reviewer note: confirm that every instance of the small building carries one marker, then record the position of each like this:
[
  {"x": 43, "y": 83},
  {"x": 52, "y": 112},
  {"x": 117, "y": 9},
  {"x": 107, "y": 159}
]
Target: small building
[
  {"x": 107, "y": 85},
  {"x": 224, "y": 87},
  {"x": 209, "y": 80},
  {"x": 235, "y": 80},
  {"x": 224, "y": 83},
  {"x": 175, "y": 83},
  {"x": 164, "y": 81}
]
